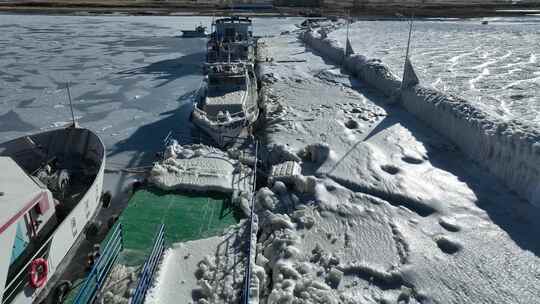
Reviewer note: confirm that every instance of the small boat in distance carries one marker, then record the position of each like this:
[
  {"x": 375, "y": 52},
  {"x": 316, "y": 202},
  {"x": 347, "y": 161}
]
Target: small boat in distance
[
  {"x": 50, "y": 189},
  {"x": 228, "y": 101},
  {"x": 200, "y": 31}
]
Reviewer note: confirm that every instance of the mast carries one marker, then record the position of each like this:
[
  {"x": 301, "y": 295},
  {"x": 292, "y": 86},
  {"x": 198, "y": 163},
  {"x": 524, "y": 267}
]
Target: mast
[
  {"x": 411, "y": 20},
  {"x": 348, "y": 23},
  {"x": 70, "y": 104},
  {"x": 410, "y": 34}
]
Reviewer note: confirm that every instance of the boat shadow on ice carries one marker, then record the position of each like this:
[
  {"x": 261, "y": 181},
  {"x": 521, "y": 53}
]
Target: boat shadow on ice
[
  {"x": 516, "y": 216},
  {"x": 169, "y": 70},
  {"x": 149, "y": 139}
]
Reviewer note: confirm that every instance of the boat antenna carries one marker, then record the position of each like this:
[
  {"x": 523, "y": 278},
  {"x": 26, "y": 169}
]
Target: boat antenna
[
  {"x": 70, "y": 103},
  {"x": 348, "y": 21},
  {"x": 411, "y": 20}
]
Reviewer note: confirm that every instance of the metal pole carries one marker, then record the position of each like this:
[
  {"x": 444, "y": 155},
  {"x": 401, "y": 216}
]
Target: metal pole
[
  {"x": 411, "y": 20},
  {"x": 346, "y": 41},
  {"x": 70, "y": 103},
  {"x": 410, "y": 33}
]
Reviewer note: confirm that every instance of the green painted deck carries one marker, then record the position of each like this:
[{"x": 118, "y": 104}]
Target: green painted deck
[{"x": 186, "y": 217}]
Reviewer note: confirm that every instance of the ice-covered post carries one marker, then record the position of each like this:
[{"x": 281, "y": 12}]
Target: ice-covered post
[
  {"x": 348, "y": 48},
  {"x": 409, "y": 78},
  {"x": 409, "y": 39},
  {"x": 70, "y": 105}
]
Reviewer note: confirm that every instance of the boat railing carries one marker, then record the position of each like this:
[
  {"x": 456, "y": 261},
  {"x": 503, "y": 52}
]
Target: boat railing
[
  {"x": 150, "y": 266},
  {"x": 250, "y": 260},
  {"x": 20, "y": 280},
  {"x": 239, "y": 114},
  {"x": 185, "y": 139},
  {"x": 98, "y": 275}
]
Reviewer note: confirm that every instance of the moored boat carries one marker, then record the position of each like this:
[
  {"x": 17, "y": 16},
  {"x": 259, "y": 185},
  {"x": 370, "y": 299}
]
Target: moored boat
[
  {"x": 50, "y": 189},
  {"x": 228, "y": 101},
  {"x": 200, "y": 31}
]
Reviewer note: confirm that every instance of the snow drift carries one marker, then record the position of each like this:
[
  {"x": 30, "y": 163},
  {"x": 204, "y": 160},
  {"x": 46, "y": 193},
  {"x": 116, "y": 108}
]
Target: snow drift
[
  {"x": 508, "y": 149},
  {"x": 372, "y": 71},
  {"x": 202, "y": 168}
]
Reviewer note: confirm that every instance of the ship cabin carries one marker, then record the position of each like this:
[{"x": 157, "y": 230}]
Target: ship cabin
[
  {"x": 27, "y": 219},
  {"x": 231, "y": 40},
  {"x": 232, "y": 29}
]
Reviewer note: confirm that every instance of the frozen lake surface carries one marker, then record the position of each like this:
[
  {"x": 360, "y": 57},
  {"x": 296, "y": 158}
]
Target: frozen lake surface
[
  {"x": 128, "y": 71},
  {"x": 430, "y": 224},
  {"x": 125, "y": 72},
  {"x": 495, "y": 66}
]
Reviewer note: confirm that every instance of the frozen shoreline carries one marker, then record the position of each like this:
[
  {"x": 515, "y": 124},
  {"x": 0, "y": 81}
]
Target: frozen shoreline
[
  {"x": 384, "y": 210},
  {"x": 509, "y": 150}
]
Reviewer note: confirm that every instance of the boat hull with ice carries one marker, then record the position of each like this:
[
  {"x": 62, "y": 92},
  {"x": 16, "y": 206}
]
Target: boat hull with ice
[
  {"x": 228, "y": 102},
  {"x": 54, "y": 183}
]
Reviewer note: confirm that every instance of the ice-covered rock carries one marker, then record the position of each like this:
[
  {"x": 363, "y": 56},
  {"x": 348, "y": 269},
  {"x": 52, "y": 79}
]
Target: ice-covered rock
[
  {"x": 281, "y": 153},
  {"x": 316, "y": 153}
]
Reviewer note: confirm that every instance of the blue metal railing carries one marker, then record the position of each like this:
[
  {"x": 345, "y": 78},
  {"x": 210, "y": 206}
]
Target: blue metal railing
[
  {"x": 93, "y": 283},
  {"x": 252, "y": 234},
  {"x": 150, "y": 266}
]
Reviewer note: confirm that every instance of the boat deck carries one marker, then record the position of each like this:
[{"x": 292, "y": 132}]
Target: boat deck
[
  {"x": 186, "y": 217},
  {"x": 226, "y": 97}
]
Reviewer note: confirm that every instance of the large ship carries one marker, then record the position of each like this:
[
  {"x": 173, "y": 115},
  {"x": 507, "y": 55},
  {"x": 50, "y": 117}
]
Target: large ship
[
  {"x": 50, "y": 188},
  {"x": 228, "y": 101}
]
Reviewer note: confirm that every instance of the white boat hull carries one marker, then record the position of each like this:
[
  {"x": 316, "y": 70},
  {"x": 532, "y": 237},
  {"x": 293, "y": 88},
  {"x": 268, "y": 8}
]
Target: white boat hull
[{"x": 68, "y": 232}]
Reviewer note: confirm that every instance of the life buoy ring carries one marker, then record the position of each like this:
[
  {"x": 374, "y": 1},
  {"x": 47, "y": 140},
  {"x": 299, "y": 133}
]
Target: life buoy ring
[{"x": 38, "y": 272}]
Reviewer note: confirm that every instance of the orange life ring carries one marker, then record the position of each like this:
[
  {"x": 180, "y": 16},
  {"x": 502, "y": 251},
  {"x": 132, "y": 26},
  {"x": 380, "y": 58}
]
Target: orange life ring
[{"x": 39, "y": 268}]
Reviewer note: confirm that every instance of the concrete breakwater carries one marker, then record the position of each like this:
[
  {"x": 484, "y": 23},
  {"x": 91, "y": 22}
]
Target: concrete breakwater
[{"x": 508, "y": 149}]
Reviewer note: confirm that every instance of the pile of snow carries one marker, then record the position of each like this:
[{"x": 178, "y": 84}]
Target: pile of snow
[
  {"x": 509, "y": 150},
  {"x": 202, "y": 168},
  {"x": 372, "y": 71},
  {"x": 203, "y": 271},
  {"x": 120, "y": 285},
  {"x": 308, "y": 250}
]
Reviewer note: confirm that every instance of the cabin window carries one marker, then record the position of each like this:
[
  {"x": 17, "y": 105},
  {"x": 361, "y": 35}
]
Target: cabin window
[{"x": 21, "y": 241}]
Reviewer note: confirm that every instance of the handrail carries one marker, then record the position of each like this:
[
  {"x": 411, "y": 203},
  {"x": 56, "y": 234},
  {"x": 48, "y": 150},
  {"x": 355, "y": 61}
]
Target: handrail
[
  {"x": 252, "y": 218},
  {"x": 150, "y": 266},
  {"x": 94, "y": 281},
  {"x": 11, "y": 288}
]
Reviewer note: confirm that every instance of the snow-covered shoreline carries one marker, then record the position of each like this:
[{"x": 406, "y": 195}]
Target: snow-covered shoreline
[
  {"x": 384, "y": 210},
  {"x": 509, "y": 150}
]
